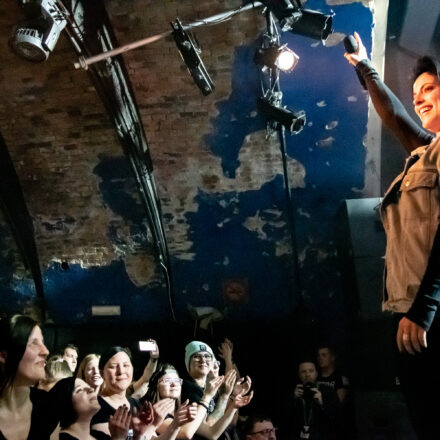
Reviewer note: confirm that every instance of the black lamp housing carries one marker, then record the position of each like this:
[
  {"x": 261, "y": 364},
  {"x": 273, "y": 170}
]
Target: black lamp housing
[
  {"x": 291, "y": 120},
  {"x": 190, "y": 54}
]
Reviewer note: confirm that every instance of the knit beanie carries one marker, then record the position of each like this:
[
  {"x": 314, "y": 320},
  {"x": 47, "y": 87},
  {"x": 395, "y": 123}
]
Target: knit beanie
[{"x": 193, "y": 348}]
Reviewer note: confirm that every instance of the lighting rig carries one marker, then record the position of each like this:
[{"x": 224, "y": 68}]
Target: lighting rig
[
  {"x": 37, "y": 37},
  {"x": 290, "y": 15}
]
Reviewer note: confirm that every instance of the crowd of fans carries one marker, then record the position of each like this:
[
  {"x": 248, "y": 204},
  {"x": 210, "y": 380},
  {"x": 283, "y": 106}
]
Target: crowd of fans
[{"x": 51, "y": 397}]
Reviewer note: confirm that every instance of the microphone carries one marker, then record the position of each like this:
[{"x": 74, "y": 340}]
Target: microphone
[{"x": 351, "y": 46}]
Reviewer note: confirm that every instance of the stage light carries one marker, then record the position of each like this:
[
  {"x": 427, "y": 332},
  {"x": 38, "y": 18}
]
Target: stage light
[
  {"x": 311, "y": 24},
  {"x": 280, "y": 57},
  {"x": 291, "y": 120},
  {"x": 190, "y": 53},
  {"x": 292, "y": 17},
  {"x": 37, "y": 38}
]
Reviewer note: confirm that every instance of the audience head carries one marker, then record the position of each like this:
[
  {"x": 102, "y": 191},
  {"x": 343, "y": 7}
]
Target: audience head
[
  {"x": 164, "y": 383},
  {"x": 56, "y": 369},
  {"x": 76, "y": 400},
  {"x": 326, "y": 357},
  {"x": 116, "y": 370},
  {"x": 88, "y": 371},
  {"x": 258, "y": 427},
  {"x": 70, "y": 355},
  {"x": 307, "y": 371},
  {"x": 198, "y": 359},
  {"x": 22, "y": 351}
]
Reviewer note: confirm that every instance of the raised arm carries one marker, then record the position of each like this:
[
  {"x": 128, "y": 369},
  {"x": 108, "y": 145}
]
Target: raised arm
[{"x": 392, "y": 112}]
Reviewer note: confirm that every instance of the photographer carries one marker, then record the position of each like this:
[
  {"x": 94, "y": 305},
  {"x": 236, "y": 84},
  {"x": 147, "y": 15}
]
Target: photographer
[{"x": 313, "y": 413}]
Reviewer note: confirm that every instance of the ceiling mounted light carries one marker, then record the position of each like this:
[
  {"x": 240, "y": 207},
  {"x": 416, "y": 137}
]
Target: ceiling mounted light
[
  {"x": 37, "y": 38},
  {"x": 292, "y": 17},
  {"x": 280, "y": 57},
  {"x": 291, "y": 120},
  {"x": 190, "y": 53}
]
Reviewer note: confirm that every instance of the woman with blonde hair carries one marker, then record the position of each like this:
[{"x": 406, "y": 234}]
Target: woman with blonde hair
[{"x": 88, "y": 371}]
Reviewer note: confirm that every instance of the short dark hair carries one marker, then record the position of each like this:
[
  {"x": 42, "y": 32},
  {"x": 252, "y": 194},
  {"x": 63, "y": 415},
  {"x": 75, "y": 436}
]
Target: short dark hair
[
  {"x": 110, "y": 352},
  {"x": 426, "y": 64},
  {"x": 72, "y": 346},
  {"x": 248, "y": 425}
]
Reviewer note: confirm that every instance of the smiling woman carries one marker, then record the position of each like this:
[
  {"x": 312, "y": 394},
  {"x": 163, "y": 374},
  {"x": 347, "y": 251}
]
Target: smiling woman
[
  {"x": 25, "y": 412},
  {"x": 410, "y": 212},
  {"x": 117, "y": 371}
]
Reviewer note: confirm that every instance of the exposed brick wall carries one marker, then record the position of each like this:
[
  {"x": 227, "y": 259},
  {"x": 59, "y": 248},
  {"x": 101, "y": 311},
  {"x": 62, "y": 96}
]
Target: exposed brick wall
[
  {"x": 177, "y": 117},
  {"x": 56, "y": 129}
]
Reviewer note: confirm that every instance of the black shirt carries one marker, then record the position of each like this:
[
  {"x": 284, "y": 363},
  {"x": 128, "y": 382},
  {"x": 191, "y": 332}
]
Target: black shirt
[
  {"x": 44, "y": 417},
  {"x": 107, "y": 410}
]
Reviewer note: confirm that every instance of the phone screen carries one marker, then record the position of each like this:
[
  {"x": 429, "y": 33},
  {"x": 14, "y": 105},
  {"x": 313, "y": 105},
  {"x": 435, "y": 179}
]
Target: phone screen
[{"x": 147, "y": 346}]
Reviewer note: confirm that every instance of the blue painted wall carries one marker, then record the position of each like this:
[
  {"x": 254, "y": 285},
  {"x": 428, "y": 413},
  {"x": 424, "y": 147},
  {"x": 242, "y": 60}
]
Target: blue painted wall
[{"x": 329, "y": 148}]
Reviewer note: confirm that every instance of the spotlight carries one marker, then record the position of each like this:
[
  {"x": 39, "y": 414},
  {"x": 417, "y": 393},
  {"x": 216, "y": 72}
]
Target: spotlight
[
  {"x": 300, "y": 21},
  {"x": 37, "y": 38},
  {"x": 280, "y": 57},
  {"x": 190, "y": 53},
  {"x": 311, "y": 24},
  {"x": 270, "y": 107}
]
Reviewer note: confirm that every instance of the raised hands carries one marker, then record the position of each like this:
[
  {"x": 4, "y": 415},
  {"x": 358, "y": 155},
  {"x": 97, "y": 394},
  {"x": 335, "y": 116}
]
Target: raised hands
[
  {"x": 212, "y": 386},
  {"x": 185, "y": 414},
  {"x": 225, "y": 350},
  {"x": 119, "y": 423},
  {"x": 242, "y": 386},
  {"x": 240, "y": 400},
  {"x": 228, "y": 383}
]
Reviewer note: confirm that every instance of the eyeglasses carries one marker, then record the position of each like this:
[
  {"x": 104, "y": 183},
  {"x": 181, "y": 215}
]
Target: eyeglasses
[
  {"x": 266, "y": 432},
  {"x": 170, "y": 380},
  {"x": 202, "y": 357}
]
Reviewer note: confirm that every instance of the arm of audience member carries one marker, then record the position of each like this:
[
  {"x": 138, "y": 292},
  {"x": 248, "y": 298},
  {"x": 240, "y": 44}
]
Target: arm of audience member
[
  {"x": 188, "y": 430},
  {"x": 217, "y": 429},
  {"x": 148, "y": 372},
  {"x": 225, "y": 392},
  {"x": 342, "y": 394},
  {"x": 119, "y": 423},
  {"x": 146, "y": 420},
  {"x": 388, "y": 106},
  {"x": 225, "y": 352}
]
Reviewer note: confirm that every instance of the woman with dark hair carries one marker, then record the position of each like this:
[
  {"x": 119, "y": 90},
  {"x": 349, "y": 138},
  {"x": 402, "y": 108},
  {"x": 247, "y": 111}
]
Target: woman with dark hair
[
  {"x": 25, "y": 411},
  {"x": 117, "y": 371},
  {"x": 410, "y": 213}
]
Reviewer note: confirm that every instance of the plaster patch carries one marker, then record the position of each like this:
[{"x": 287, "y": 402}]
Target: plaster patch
[
  {"x": 334, "y": 39},
  {"x": 303, "y": 213},
  {"x": 366, "y": 3},
  {"x": 256, "y": 224},
  {"x": 331, "y": 125},
  {"x": 183, "y": 184},
  {"x": 140, "y": 268},
  {"x": 283, "y": 248},
  {"x": 326, "y": 143}
]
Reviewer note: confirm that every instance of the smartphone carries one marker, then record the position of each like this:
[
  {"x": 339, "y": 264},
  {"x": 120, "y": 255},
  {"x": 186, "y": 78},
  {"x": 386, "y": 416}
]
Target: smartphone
[{"x": 147, "y": 346}]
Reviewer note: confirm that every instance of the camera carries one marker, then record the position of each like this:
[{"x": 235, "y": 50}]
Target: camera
[{"x": 309, "y": 394}]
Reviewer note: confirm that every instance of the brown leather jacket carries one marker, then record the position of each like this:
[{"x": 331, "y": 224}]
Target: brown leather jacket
[{"x": 410, "y": 213}]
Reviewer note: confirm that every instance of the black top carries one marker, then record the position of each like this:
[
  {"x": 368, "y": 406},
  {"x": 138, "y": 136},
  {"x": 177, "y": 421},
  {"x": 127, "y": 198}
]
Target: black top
[
  {"x": 44, "y": 418},
  {"x": 335, "y": 381},
  {"x": 107, "y": 410},
  {"x": 412, "y": 136},
  {"x": 194, "y": 393}
]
